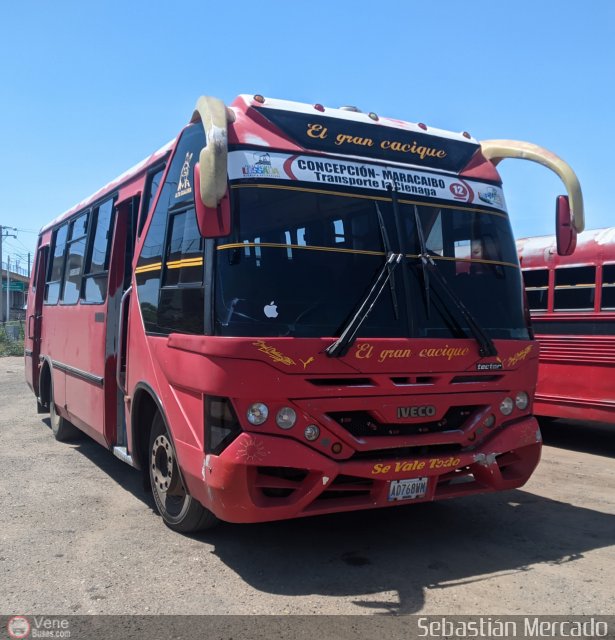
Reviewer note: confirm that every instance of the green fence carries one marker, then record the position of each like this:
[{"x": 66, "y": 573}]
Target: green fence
[{"x": 11, "y": 338}]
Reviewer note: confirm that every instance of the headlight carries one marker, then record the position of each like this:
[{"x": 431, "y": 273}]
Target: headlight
[
  {"x": 506, "y": 406},
  {"x": 311, "y": 432},
  {"x": 522, "y": 400},
  {"x": 257, "y": 413},
  {"x": 286, "y": 418}
]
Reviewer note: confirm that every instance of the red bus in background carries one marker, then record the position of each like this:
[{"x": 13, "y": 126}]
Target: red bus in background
[
  {"x": 294, "y": 310},
  {"x": 572, "y": 302}
]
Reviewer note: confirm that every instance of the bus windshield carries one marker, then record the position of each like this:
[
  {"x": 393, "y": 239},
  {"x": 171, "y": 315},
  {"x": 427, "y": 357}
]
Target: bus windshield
[{"x": 300, "y": 261}]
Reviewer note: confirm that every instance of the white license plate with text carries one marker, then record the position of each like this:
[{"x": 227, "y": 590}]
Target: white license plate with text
[{"x": 407, "y": 489}]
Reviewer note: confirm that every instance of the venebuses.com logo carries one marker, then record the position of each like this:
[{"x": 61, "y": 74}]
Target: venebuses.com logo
[{"x": 20, "y": 627}]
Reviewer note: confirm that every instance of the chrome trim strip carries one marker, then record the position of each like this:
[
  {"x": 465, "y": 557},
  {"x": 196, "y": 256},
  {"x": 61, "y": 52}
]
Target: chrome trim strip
[{"x": 78, "y": 373}]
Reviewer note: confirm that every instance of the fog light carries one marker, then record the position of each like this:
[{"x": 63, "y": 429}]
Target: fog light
[
  {"x": 522, "y": 400},
  {"x": 506, "y": 406},
  {"x": 311, "y": 432},
  {"x": 257, "y": 413},
  {"x": 286, "y": 418},
  {"x": 489, "y": 421}
]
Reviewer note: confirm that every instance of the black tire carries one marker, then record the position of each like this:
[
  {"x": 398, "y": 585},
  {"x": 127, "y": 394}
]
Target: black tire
[
  {"x": 179, "y": 510},
  {"x": 62, "y": 429}
]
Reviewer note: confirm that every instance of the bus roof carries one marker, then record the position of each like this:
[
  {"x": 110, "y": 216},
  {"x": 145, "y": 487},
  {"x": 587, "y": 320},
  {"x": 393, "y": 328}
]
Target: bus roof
[
  {"x": 284, "y": 124},
  {"x": 540, "y": 250}
]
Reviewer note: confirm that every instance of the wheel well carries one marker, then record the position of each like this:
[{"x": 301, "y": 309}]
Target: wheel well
[{"x": 144, "y": 408}]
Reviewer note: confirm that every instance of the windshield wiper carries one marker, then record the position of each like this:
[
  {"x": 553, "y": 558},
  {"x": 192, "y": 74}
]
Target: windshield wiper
[
  {"x": 486, "y": 347},
  {"x": 424, "y": 257},
  {"x": 340, "y": 347},
  {"x": 387, "y": 249}
]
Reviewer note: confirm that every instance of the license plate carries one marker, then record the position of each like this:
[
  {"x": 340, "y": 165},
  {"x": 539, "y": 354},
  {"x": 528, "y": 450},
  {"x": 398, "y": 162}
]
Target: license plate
[{"x": 407, "y": 489}]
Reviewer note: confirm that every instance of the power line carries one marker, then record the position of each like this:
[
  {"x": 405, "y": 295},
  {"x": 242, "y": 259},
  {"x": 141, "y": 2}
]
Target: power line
[{"x": 27, "y": 230}]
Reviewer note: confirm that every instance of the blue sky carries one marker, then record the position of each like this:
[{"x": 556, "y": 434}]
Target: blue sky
[{"x": 89, "y": 89}]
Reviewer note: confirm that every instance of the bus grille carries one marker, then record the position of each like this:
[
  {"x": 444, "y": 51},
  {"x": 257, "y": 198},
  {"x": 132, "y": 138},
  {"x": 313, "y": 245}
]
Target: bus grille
[{"x": 361, "y": 424}]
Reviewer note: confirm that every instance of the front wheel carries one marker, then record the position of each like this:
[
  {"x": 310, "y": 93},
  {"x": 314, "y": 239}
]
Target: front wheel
[{"x": 179, "y": 510}]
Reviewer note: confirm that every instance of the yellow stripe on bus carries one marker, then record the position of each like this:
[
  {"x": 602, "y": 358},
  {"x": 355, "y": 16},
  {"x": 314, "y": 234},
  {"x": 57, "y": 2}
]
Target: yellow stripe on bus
[
  {"x": 175, "y": 264},
  {"x": 242, "y": 245},
  {"x": 149, "y": 267},
  {"x": 187, "y": 262},
  {"x": 275, "y": 245},
  {"x": 471, "y": 260},
  {"x": 358, "y": 195}
]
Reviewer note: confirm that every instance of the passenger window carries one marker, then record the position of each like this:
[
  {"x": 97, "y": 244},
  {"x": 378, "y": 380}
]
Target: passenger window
[
  {"x": 184, "y": 263},
  {"x": 537, "y": 288},
  {"x": 97, "y": 265},
  {"x": 608, "y": 286},
  {"x": 56, "y": 266},
  {"x": 153, "y": 183},
  {"x": 169, "y": 278},
  {"x": 575, "y": 288},
  {"x": 75, "y": 253}
]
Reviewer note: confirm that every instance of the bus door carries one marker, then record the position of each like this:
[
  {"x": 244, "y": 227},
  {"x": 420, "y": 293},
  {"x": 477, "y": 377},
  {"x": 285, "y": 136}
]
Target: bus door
[
  {"x": 117, "y": 317},
  {"x": 34, "y": 320}
]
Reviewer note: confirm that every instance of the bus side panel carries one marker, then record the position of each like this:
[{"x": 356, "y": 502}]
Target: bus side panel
[
  {"x": 576, "y": 378},
  {"x": 73, "y": 337}
]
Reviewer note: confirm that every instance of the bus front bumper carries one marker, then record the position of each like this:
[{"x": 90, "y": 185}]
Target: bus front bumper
[{"x": 261, "y": 478}]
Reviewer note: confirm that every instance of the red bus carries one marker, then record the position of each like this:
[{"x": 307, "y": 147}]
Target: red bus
[
  {"x": 294, "y": 310},
  {"x": 572, "y": 302}
]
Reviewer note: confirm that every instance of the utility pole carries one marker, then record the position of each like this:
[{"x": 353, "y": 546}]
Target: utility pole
[
  {"x": 8, "y": 288},
  {"x": 4, "y": 233}
]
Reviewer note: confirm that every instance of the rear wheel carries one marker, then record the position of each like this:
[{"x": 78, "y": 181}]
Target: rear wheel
[
  {"x": 62, "y": 429},
  {"x": 179, "y": 510}
]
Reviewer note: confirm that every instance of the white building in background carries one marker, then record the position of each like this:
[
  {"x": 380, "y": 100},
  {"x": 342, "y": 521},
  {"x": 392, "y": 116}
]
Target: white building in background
[{"x": 18, "y": 282}]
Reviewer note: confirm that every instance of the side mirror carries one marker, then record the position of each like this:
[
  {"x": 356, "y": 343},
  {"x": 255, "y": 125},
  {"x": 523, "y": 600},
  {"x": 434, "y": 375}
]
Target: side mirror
[
  {"x": 566, "y": 234},
  {"x": 213, "y": 222}
]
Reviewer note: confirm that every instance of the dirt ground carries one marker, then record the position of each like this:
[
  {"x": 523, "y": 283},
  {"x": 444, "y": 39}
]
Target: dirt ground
[{"x": 79, "y": 535}]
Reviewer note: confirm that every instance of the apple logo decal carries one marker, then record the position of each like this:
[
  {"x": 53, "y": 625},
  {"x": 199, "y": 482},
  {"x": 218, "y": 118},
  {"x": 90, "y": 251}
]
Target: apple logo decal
[{"x": 271, "y": 309}]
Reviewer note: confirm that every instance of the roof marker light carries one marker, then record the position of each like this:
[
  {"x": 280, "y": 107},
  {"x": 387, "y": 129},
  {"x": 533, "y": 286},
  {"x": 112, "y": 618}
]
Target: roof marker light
[
  {"x": 423, "y": 126},
  {"x": 319, "y": 107},
  {"x": 373, "y": 116},
  {"x": 465, "y": 134},
  {"x": 259, "y": 98}
]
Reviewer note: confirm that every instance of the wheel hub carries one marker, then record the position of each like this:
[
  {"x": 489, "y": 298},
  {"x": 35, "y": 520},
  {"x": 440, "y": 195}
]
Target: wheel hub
[{"x": 164, "y": 470}]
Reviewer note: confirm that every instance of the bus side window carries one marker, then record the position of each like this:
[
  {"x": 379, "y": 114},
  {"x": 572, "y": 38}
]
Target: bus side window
[
  {"x": 575, "y": 288},
  {"x": 75, "y": 252},
  {"x": 151, "y": 189},
  {"x": 608, "y": 286},
  {"x": 56, "y": 265},
  {"x": 175, "y": 196},
  {"x": 184, "y": 251},
  {"x": 97, "y": 264},
  {"x": 181, "y": 296},
  {"x": 537, "y": 288}
]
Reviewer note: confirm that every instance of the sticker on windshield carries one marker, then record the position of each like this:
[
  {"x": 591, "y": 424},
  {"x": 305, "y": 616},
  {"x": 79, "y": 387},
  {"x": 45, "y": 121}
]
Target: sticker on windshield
[
  {"x": 357, "y": 175},
  {"x": 271, "y": 310},
  {"x": 183, "y": 185},
  {"x": 259, "y": 166}
]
